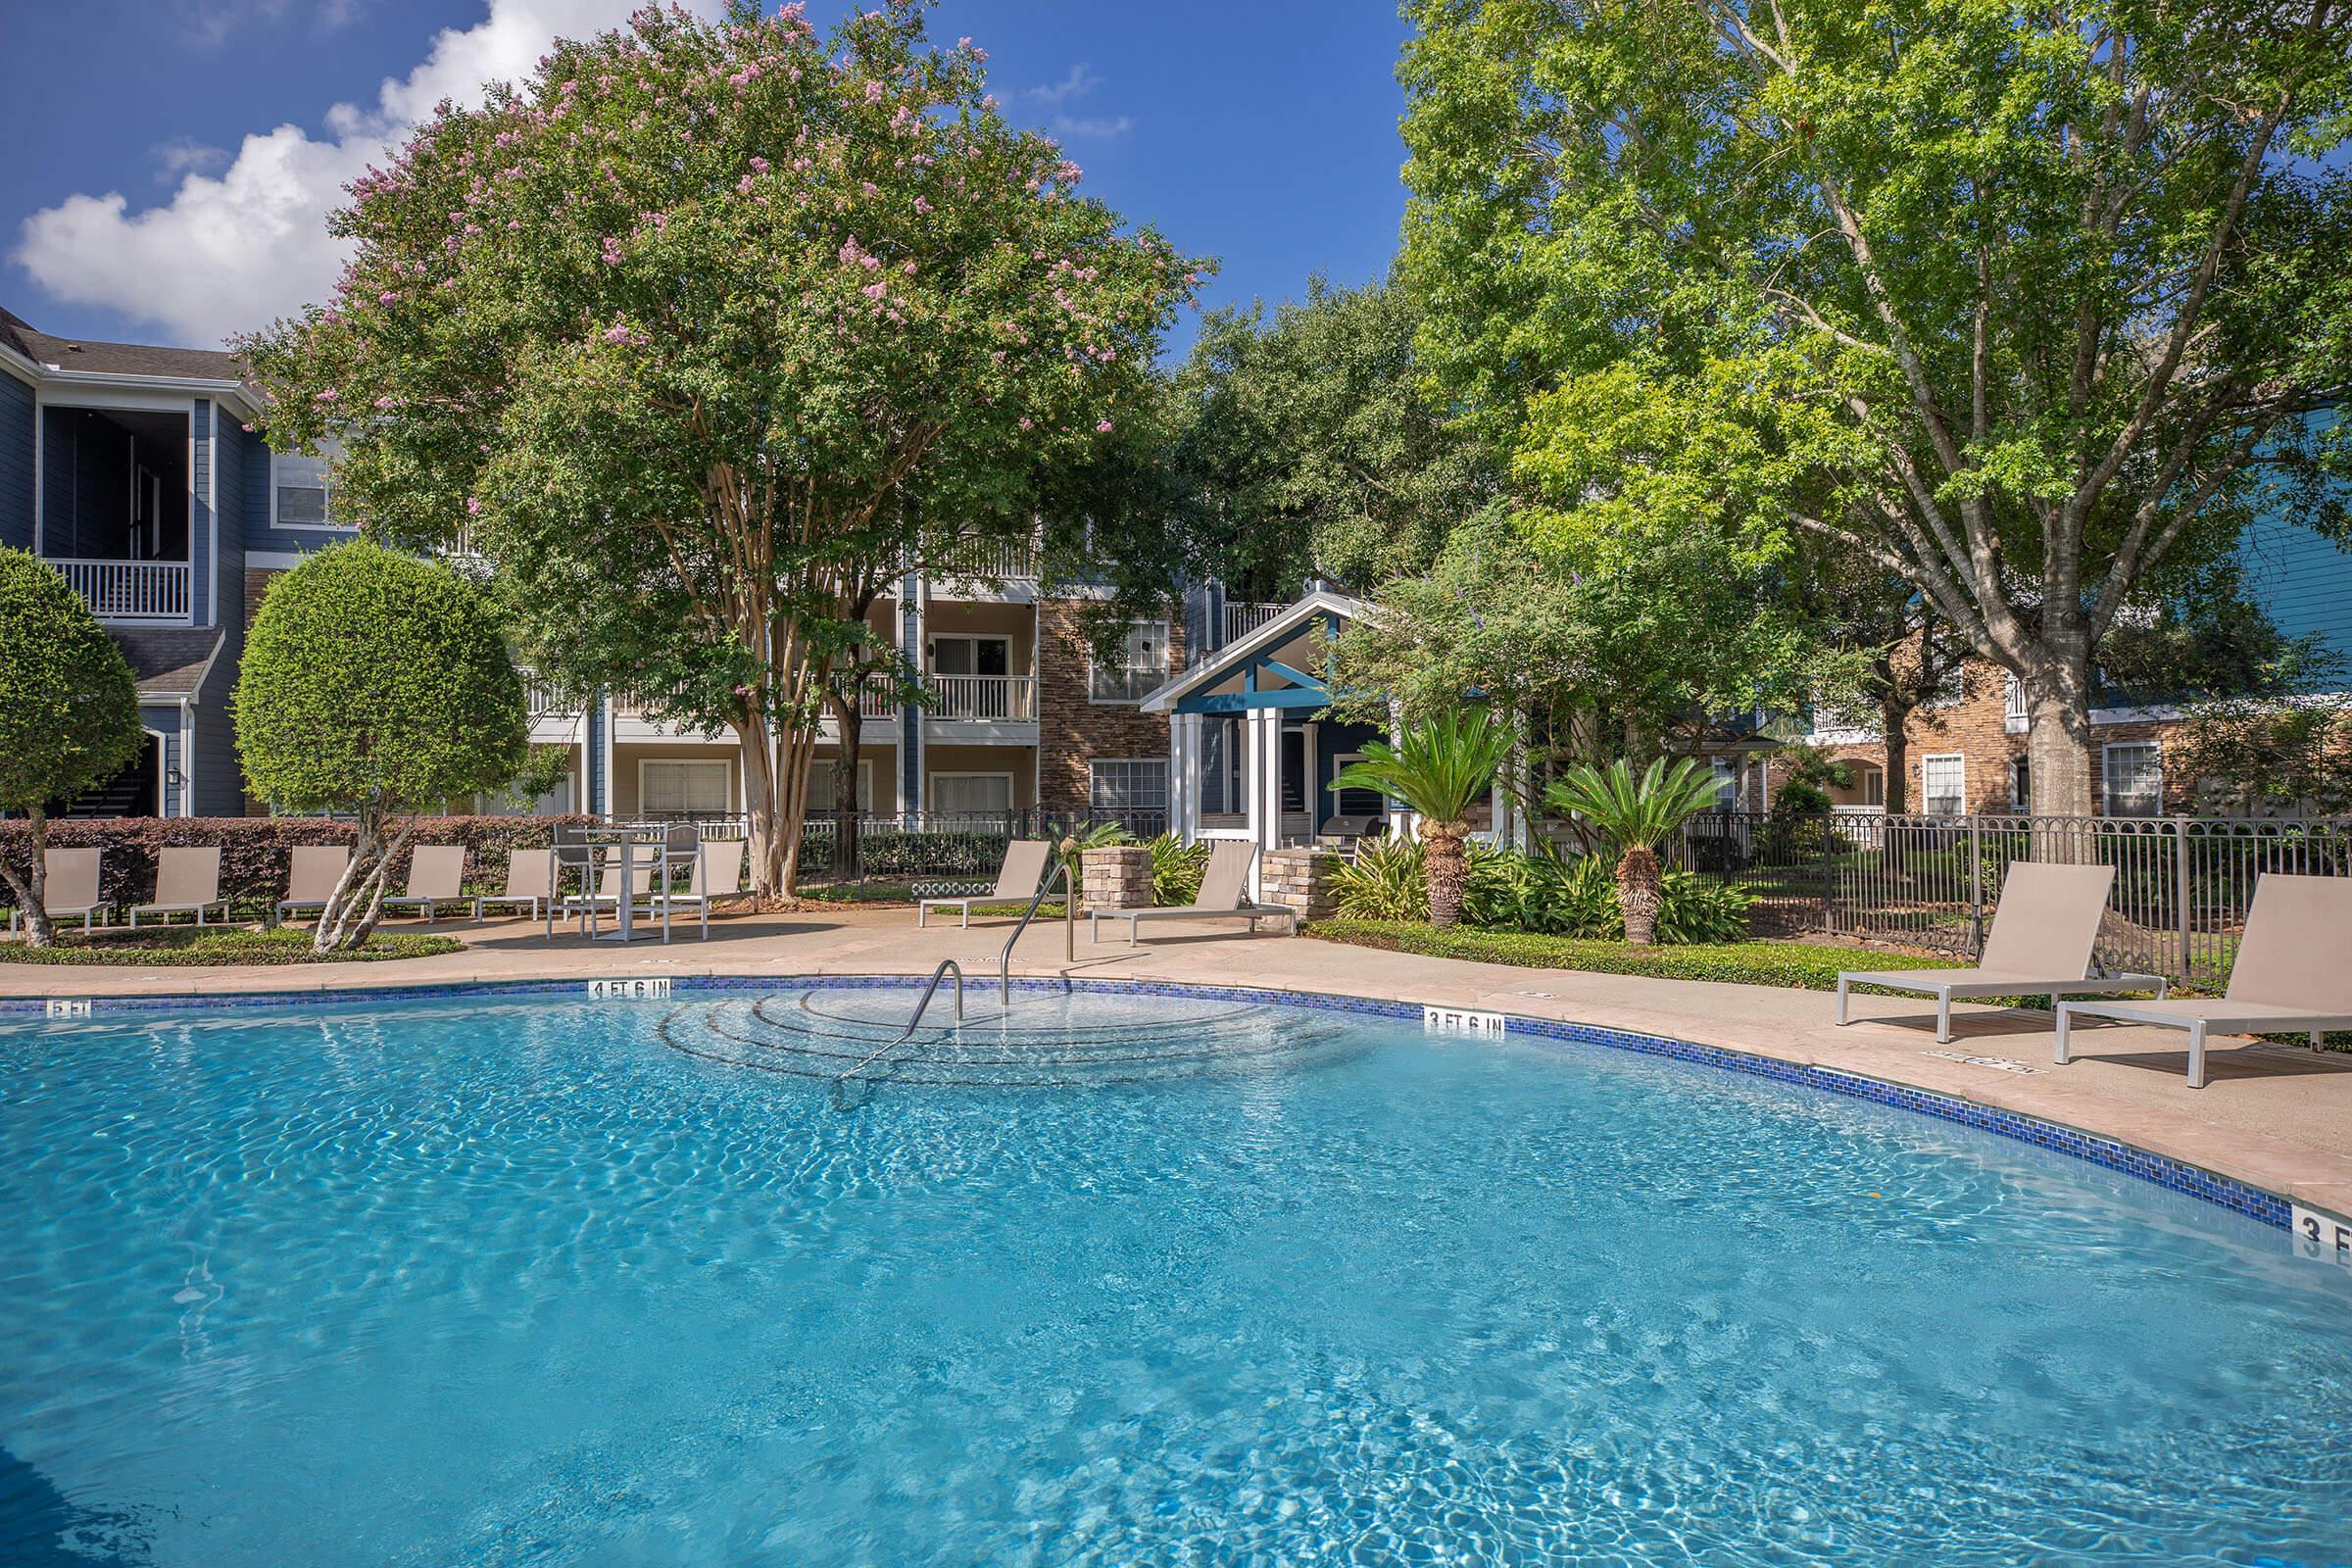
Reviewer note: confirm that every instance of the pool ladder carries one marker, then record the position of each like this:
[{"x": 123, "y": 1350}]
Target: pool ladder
[{"x": 946, "y": 967}]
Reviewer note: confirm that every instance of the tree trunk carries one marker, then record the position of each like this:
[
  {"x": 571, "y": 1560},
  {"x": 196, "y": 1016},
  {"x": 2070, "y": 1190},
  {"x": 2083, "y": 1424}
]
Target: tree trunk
[
  {"x": 352, "y": 910},
  {"x": 1447, "y": 869},
  {"x": 766, "y": 847},
  {"x": 1639, "y": 893},
  {"x": 2058, "y": 739},
  {"x": 32, "y": 891},
  {"x": 1893, "y": 716},
  {"x": 847, "y": 719}
]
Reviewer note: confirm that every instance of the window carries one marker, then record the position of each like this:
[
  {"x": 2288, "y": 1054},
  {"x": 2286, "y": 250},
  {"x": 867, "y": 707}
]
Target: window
[
  {"x": 820, "y": 786},
  {"x": 1142, "y": 667},
  {"x": 1354, "y": 799},
  {"x": 1951, "y": 687},
  {"x": 1944, "y": 784},
  {"x": 1137, "y": 786},
  {"x": 2132, "y": 778},
  {"x": 2013, "y": 702},
  {"x": 971, "y": 793},
  {"x": 677, "y": 786},
  {"x": 955, "y": 655},
  {"x": 305, "y": 492},
  {"x": 1220, "y": 764},
  {"x": 2020, "y": 784},
  {"x": 1727, "y": 783},
  {"x": 1873, "y": 785}
]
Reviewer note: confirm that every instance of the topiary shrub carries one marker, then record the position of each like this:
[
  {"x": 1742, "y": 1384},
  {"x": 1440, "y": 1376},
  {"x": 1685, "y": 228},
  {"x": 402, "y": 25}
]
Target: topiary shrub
[
  {"x": 376, "y": 684},
  {"x": 69, "y": 715}
]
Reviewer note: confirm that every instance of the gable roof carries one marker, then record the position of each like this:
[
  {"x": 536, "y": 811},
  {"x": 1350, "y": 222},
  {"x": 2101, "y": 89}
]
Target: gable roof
[
  {"x": 1234, "y": 654},
  {"x": 168, "y": 662},
  {"x": 54, "y": 353}
]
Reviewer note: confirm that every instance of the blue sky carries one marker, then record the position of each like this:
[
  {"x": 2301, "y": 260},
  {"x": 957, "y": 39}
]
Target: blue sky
[{"x": 169, "y": 159}]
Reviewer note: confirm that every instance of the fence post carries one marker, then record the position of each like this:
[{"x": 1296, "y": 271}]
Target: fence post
[
  {"x": 2180, "y": 887},
  {"x": 1975, "y": 886},
  {"x": 1829, "y": 871}
]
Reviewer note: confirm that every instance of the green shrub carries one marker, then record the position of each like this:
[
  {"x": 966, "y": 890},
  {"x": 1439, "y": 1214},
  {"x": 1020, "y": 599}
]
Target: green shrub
[
  {"x": 1176, "y": 869},
  {"x": 1543, "y": 893},
  {"x": 1696, "y": 909},
  {"x": 186, "y": 946},
  {"x": 1794, "y": 964},
  {"x": 1385, "y": 882}
]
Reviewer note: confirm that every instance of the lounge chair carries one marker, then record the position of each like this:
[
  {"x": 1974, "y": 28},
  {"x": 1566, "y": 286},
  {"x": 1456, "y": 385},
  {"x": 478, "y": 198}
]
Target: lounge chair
[
  {"x": 718, "y": 875},
  {"x": 436, "y": 875},
  {"x": 2292, "y": 973},
  {"x": 1224, "y": 896},
  {"x": 316, "y": 870},
  {"x": 69, "y": 886},
  {"x": 2039, "y": 945},
  {"x": 186, "y": 881},
  {"x": 1025, "y": 861},
  {"x": 529, "y": 882},
  {"x": 572, "y": 854}
]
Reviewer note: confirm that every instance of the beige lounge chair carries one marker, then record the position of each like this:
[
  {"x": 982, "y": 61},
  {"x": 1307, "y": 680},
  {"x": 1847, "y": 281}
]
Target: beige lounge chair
[
  {"x": 2292, "y": 973},
  {"x": 316, "y": 868},
  {"x": 1224, "y": 896},
  {"x": 69, "y": 886},
  {"x": 436, "y": 875},
  {"x": 2039, "y": 945},
  {"x": 186, "y": 880},
  {"x": 529, "y": 882},
  {"x": 718, "y": 875},
  {"x": 1024, "y": 868}
]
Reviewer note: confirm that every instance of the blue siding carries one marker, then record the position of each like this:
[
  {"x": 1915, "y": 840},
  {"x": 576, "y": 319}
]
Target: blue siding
[
  {"x": 260, "y": 490},
  {"x": 2303, "y": 580},
  {"x": 16, "y": 463},
  {"x": 200, "y": 512}
]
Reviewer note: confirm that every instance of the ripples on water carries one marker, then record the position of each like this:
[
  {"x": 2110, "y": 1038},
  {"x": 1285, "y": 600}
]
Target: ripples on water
[{"x": 1110, "y": 1280}]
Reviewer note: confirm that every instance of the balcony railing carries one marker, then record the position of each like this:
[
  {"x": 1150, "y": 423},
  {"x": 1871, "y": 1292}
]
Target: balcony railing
[
  {"x": 131, "y": 590},
  {"x": 1007, "y": 562},
  {"x": 1009, "y": 698},
  {"x": 545, "y": 700},
  {"x": 1240, "y": 619}
]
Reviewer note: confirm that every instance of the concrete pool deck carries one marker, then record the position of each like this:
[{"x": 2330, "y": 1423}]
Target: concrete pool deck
[{"x": 2278, "y": 1118}]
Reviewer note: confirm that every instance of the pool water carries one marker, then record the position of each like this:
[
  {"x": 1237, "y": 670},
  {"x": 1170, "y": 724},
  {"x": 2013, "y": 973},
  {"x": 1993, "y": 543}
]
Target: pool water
[{"x": 1113, "y": 1280}]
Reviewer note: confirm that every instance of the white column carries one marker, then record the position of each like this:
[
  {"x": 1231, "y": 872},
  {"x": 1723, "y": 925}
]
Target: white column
[
  {"x": 1265, "y": 755},
  {"x": 1184, "y": 775}
]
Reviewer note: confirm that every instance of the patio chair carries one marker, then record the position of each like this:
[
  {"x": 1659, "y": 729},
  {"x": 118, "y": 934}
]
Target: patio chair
[
  {"x": 571, "y": 854},
  {"x": 69, "y": 886},
  {"x": 436, "y": 876},
  {"x": 2291, "y": 973},
  {"x": 1224, "y": 896},
  {"x": 2039, "y": 945},
  {"x": 529, "y": 882},
  {"x": 317, "y": 869},
  {"x": 186, "y": 881},
  {"x": 718, "y": 875},
  {"x": 1025, "y": 863}
]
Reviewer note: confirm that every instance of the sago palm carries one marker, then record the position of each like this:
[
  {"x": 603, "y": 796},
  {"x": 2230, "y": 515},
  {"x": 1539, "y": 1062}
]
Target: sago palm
[
  {"x": 1438, "y": 770},
  {"x": 1637, "y": 815}
]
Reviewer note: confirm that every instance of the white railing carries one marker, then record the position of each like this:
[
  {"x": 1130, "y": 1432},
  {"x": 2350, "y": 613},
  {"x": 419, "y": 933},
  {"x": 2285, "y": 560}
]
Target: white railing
[
  {"x": 1011, "y": 698},
  {"x": 878, "y": 698},
  {"x": 543, "y": 698},
  {"x": 1240, "y": 619},
  {"x": 131, "y": 590},
  {"x": 1006, "y": 562}
]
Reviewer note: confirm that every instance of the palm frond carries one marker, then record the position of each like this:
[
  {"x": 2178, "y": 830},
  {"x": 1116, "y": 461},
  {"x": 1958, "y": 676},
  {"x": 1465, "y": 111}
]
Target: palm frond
[
  {"x": 1634, "y": 813},
  {"x": 1438, "y": 770}
]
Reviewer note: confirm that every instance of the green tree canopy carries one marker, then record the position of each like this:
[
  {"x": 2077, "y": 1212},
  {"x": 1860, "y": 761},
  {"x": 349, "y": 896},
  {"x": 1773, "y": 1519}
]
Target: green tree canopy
[
  {"x": 377, "y": 684},
  {"x": 68, "y": 710},
  {"x": 2019, "y": 305},
  {"x": 707, "y": 332}
]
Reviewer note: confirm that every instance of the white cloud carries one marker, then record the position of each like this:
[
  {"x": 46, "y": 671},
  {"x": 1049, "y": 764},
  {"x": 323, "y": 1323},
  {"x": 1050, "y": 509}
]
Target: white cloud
[
  {"x": 183, "y": 155},
  {"x": 231, "y": 251},
  {"x": 1077, "y": 84},
  {"x": 1065, "y": 126}
]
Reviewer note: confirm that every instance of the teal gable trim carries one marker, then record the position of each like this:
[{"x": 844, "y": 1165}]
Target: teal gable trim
[{"x": 1308, "y": 697}]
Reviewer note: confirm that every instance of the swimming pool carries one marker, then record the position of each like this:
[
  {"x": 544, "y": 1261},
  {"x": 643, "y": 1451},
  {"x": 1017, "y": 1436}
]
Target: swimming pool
[{"x": 1123, "y": 1278}]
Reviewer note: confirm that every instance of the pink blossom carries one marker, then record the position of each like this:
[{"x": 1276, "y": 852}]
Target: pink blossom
[
  {"x": 384, "y": 403},
  {"x": 909, "y": 268},
  {"x": 876, "y": 289},
  {"x": 759, "y": 164},
  {"x": 327, "y": 396},
  {"x": 921, "y": 206},
  {"x": 873, "y": 92},
  {"x": 387, "y": 296},
  {"x": 473, "y": 506},
  {"x": 1102, "y": 428},
  {"x": 1028, "y": 423}
]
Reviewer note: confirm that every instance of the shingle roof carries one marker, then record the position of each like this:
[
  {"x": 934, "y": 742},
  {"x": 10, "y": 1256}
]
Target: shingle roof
[
  {"x": 116, "y": 358},
  {"x": 168, "y": 661}
]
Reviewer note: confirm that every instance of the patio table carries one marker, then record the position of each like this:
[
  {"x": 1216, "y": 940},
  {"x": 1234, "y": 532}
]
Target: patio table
[{"x": 627, "y": 837}]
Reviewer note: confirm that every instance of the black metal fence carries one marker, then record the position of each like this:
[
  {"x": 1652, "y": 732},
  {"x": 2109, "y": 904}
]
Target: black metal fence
[
  {"x": 900, "y": 847},
  {"x": 2183, "y": 884}
]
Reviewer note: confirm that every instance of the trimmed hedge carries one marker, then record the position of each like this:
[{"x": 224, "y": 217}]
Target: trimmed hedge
[
  {"x": 217, "y": 945},
  {"x": 1795, "y": 964},
  {"x": 255, "y": 858}
]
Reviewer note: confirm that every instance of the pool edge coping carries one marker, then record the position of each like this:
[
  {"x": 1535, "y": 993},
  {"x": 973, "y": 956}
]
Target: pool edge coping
[{"x": 2106, "y": 1152}]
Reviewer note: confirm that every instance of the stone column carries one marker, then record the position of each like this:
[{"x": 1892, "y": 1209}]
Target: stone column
[
  {"x": 1115, "y": 878},
  {"x": 1300, "y": 878}
]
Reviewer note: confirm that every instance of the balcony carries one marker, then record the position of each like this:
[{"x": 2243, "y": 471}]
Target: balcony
[
  {"x": 1005, "y": 570},
  {"x": 131, "y": 590},
  {"x": 984, "y": 698},
  {"x": 1240, "y": 619}
]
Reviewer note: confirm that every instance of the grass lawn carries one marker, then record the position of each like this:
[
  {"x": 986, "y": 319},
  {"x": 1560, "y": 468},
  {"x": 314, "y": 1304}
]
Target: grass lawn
[
  {"x": 217, "y": 945},
  {"x": 1802, "y": 966}
]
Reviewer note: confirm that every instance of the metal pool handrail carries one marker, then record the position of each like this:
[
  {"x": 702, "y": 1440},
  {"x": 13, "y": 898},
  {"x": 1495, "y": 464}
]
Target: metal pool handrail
[
  {"x": 1060, "y": 873},
  {"x": 946, "y": 966}
]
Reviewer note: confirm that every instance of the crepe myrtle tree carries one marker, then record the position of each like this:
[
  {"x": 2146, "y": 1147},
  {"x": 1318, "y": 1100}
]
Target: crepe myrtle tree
[
  {"x": 2023, "y": 306},
  {"x": 706, "y": 328},
  {"x": 377, "y": 685},
  {"x": 68, "y": 714}
]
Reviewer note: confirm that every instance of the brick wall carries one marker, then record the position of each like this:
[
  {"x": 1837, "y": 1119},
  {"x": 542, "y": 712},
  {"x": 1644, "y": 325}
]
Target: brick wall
[{"x": 1071, "y": 729}]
